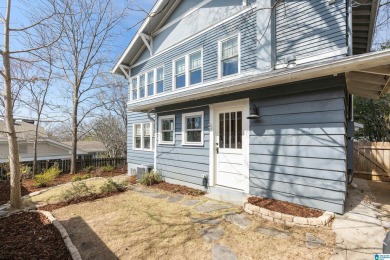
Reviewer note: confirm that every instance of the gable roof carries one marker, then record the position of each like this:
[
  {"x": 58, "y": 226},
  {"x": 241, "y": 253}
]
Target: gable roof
[
  {"x": 25, "y": 130},
  {"x": 89, "y": 146}
]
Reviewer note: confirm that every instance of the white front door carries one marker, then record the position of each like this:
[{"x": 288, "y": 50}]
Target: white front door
[{"x": 230, "y": 146}]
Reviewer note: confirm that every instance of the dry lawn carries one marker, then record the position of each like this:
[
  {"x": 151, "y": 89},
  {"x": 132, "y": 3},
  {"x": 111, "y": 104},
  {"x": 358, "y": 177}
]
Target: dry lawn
[{"x": 132, "y": 226}]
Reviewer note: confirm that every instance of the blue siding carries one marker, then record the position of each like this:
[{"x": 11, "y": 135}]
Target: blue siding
[
  {"x": 137, "y": 157},
  {"x": 185, "y": 163},
  {"x": 306, "y": 28}
]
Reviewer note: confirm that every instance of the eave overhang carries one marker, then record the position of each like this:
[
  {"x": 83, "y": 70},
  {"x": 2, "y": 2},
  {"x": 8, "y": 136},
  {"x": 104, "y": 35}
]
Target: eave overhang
[{"x": 376, "y": 64}]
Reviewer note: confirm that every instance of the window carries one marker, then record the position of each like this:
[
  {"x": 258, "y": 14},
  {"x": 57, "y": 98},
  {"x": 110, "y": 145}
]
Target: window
[
  {"x": 188, "y": 70},
  {"x": 160, "y": 80},
  {"x": 142, "y": 86},
  {"x": 134, "y": 88},
  {"x": 192, "y": 128},
  {"x": 167, "y": 129},
  {"x": 151, "y": 83},
  {"x": 195, "y": 68},
  {"x": 229, "y": 55},
  {"x": 180, "y": 73},
  {"x": 143, "y": 136}
]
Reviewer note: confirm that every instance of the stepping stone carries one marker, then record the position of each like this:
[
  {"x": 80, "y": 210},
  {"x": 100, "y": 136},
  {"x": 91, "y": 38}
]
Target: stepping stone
[
  {"x": 209, "y": 221},
  {"x": 151, "y": 194},
  {"x": 313, "y": 242},
  {"x": 210, "y": 235},
  {"x": 210, "y": 206},
  {"x": 220, "y": 252},
  {"x": 162, "y": 196},
  {"x": 238, "y": 219},
  {"x": 273, "y": 232},
  {"x": 190, "y": 203},
  {"x": 173, "y": 199}
]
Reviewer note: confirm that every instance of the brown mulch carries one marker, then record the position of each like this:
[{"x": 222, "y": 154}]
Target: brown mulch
[
  {"x": 285, "y": 207},
  {"x": 132, "y": 179},
  {"x": 28, "y": 185},
  {"x": 77, "y": 200},
  {"x": 30, "y": 235},
  {"x": 174, "y": 188}
]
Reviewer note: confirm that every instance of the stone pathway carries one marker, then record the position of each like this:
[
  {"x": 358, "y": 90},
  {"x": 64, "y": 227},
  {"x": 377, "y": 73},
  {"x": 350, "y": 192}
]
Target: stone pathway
[
  {"x": 210, "y": 206},
  {"x": 220, "y": 252},
  {"x": 313, "y": 242},
  {"x": 190, "y": 203},
  {"x": 208, "y": 221},
  {"x": 273, "y": 232},
  {"x": 238, "y": 219},
  {"x": 210, "y": 235},
  {"x": 174, "y": 199}
]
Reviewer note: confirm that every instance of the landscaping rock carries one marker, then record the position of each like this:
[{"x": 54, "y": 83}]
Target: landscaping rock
[
  {"x": 174, "y": 199},
  {"x": 209, "y": 221},
  {"x": 190, "y": 203},
  {"x": 238, "y": 219},
  {"x": 313, "y": 242},
  {"x": 220, "y": 252},
  {"x": 210, "y": 206},
  {"x": 210, "y": 235},
  {"x": 273, "y": 232}
]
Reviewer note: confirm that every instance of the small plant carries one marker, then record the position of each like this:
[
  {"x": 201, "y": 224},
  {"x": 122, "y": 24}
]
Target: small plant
[
  {"x": 41, "y": 180},
  {"x": 78, "y": 190},
  {"x": 107, "y": 168},
  {"x": 112, "y": 186},
  {"x": 25, "y": 171},
  {"x": 151, "y": 178},
  {"x": 80, "y": 178},
  {"x": 89, "y": 169}
]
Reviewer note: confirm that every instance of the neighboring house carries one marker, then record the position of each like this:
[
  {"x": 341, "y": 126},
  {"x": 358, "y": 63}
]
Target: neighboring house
[
  {"x": 226, "y": 96},
  {"x": 47, "y": 149},
  {"x": 94, "y": 149}
]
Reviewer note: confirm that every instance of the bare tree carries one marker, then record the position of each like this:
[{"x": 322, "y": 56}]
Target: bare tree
[
  {"x": 25, "y": 36},
  {"x": 88, "y": 33}
]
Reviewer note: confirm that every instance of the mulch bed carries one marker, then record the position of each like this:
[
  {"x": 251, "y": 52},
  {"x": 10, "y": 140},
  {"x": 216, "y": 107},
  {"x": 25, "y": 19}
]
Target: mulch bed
[
  {"x": 92, "y": 197},
  {"x": 28, "y": 185},
  {"x": 285, "y": 207},
  {"x": 30, "y": 235},
  {"x": 174, "y": 188}
]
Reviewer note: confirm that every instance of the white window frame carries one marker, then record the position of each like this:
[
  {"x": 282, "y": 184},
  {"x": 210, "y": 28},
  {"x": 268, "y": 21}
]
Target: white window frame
[
  {"x": 184, "y": 128},
  {"x": 238, "y": 35},
  {"x": 142, "y": 148},
  {"x": 131, "y": 88},
  {"x": 160, "y": 119},
  {"x": 145, "y": 73},
  {"x": 155, "y": 79},
  {"x": 187, "y": 69}
]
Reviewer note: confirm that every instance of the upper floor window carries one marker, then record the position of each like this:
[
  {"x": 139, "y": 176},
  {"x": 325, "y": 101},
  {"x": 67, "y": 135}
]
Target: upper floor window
[
  {"x": 160, "y": 80},
  {"x": 229, "y": 63},
  {"x": 143, "y": 136},
  {"x": 142, "y": 86},
  {"x": 167, "y": 129},
  {"x": 151, "y": 83},
  {"x": 134, "y": 86},
  {"x": 147, "y": 84},
  {"x": 188, "y": 70}
]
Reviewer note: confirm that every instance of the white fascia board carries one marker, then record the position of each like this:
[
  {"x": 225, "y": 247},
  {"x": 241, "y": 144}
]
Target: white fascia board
[
  {"x": 259, "y": 80},
  {"x": 137, "y": 35}
]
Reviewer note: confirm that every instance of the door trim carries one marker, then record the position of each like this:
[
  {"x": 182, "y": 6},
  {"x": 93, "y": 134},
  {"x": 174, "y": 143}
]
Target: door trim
[{"x": 245, "y": 141}]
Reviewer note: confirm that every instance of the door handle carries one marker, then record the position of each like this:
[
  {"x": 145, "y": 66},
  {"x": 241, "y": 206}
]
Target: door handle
[{"x": 217, "y": 147}]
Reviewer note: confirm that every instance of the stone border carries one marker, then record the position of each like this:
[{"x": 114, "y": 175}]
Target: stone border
[
  {"x": 287, "y": 219},
  {"x": 64, "y": 234}
]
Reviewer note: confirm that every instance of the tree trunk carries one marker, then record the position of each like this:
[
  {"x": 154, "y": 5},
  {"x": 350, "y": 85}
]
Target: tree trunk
[
  {"x": 34, "y": 168},
  {"x": 74, "y": 134},
  {"x": 15, "y": 193}
]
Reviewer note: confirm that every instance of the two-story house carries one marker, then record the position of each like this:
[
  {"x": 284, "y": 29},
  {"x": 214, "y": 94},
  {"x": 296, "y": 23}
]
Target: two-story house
[{"x": 252, "y": 97}]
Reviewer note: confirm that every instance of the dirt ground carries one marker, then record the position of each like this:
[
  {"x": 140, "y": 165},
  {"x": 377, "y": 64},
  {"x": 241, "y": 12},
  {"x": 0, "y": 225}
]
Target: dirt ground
[
  {"x": 381, "y": 194},
  {"x": 133, "y": 226}
]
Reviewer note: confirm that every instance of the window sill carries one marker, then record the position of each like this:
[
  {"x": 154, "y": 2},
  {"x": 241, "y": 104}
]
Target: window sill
[{"x": 193, "y": 144}]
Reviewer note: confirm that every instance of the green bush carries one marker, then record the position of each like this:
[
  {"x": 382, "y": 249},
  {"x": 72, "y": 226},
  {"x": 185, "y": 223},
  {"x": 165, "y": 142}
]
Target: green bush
[
  {"x": 78, "y": 190},
  {"x": 80, "y": 178},
  {"x": 112, "y": 186},
  {"x": 151, "y": 178},
  {"x": 89, "y": 169},
  {"x": 41, "y": 180},
  {"x": 25, "y": 171},
  {"x": 107, "y": 168}
]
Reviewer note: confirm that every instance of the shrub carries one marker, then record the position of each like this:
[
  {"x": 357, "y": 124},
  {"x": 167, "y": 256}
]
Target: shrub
[
  {"x": 107, "y": 168},
  {"x": 25, "y": 171},
  {"x": 80, "y": 178},
  {"x": 41, "y": 180},
  {"x": 112, "y": 186},
  {"x": 78, "y": 190},
  {"x": 89, "y": 169},
  {"x": 151, "y": 178}
]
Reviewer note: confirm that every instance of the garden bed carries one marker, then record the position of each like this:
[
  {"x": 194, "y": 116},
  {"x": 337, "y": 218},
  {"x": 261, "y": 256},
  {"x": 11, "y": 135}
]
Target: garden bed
[
  {"x": 179, "y": 189},
  {"x": 28, "y": 235},
  {"x": 28, "y": 185}
]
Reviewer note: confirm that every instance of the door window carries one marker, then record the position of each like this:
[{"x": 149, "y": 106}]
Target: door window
[{"x": 230, "y": 130}]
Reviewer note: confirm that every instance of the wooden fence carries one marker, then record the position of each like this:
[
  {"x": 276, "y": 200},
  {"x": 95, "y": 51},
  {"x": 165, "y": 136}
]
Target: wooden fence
[
  {"x": 372, "y": 160},
  {"x": 64, "y": 165}
]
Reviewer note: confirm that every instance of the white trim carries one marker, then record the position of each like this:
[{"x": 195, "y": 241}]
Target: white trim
[
  {"x": 317, "y": 57},
  {"x": 184, "y": 129},
  {"x": 160, "y": 141},
  {"x": 224, "y": 39},
  {"x": 145, "y": 73},
  {"x": 142, "y": 148},
  {"x": 186, "y": 57},
  {"x": 155, "y": 141},
  {"x": 244, "y": 10},
  {"x": 211, "y": 146}
]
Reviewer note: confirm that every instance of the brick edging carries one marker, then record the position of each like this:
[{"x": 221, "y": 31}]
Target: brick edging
[
  {"x": 287, "y": 219},
  {"x": 64, "y": 234}
]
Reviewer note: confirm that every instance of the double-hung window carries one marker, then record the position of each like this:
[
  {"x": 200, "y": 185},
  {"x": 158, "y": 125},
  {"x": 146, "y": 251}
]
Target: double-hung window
[
  {"x": 167, "y": 129},
  {"x": 188, "y": 70},
  {"x": 134, "y": 89},
  {"x": 229, "y": 63},
  {"x": 192, "y": 128},
  {"x": 151, "y": 83},
  {"x": 147, "y": 84},
  {"x": 160, "y": 80},
  {"x": 142, "y": 86},
  {"x": 143, "y": 136}
]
